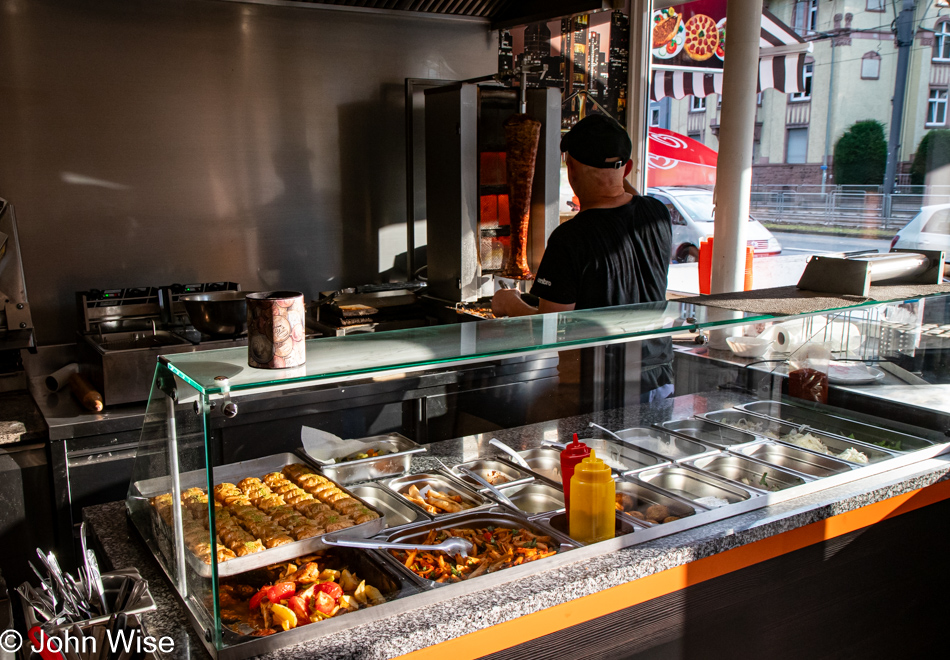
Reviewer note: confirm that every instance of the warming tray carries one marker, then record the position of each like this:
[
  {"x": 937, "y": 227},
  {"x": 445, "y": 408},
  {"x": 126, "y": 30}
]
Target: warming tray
[
  {"x": 671, "y": 447},
  {"x": 778, "y": 430},
  {"x": 505, "y": 474},
  {"x": 558, "y": 522},
  {"x": 467, "y": 520},
  {"x": 233, "y": 473},
  {"x": 795, "y": 460},
  {"x": 534, "y": 498},
  {"x": 833, "y": 425},
  {"x": 398, "y": 512},
  {"x": 367, "y": 566},
  {"x": 636, "y": 498},
  {"x": 545, "y": 461},
  {"x": 693, "y": 485},
  {"x": 747, "y": 473},
  {"x": 377, "y": 467},
  {"x": 709, "y": 433},
  {"x": 442, "y": 483},
  {"x": 623, "y": 457}
]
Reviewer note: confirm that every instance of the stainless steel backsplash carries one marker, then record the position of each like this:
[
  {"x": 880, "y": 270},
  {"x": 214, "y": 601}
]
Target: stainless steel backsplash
[{"x": 145, "y": 142}]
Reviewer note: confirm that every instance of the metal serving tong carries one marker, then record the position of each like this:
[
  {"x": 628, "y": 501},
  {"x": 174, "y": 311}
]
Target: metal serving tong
[
  {"x": 452, "y": 545},
  {"x": 501, "y": 497},
  {"x": 495, "y": 442}
]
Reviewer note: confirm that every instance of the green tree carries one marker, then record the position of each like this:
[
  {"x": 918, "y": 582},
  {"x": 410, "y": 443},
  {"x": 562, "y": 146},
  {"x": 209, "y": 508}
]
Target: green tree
[
  {"x": 933, "y": 152},
  {"x": 860, "y": 156}
]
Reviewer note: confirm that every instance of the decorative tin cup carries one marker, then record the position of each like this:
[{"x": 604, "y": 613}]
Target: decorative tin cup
[{"x": 275, "y": 330}]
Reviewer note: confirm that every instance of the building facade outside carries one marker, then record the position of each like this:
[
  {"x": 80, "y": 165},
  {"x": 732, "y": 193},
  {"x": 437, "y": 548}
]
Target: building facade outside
[{"x": 849, "y": 76}]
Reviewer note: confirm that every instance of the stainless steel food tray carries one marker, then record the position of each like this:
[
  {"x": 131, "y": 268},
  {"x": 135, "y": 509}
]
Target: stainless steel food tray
[
  {"x": 736, "y": 469},
  {"x": 533, "y": 498},
  {"x": 377, "y": 467},
  {"x": 645, "y": 497},
  {"x": 709, "y": 433},
  {"x": 793, "y": 459},
  {"x": 483, "y": 468},
  {"x": 780, "y": 429},
  {"x": 468, "y": 520},
  {"x": 834, "y": 425},
  {"x": 545, "y": 461},
  {"x": 398, "y": 510},
  {"x": 442, "y": 482},
  {"x": 366, "y": 565},
  {"x": 559, "y": 524},
  {"x": 670, "y": 447},
  {"x": 233, "y": 473},
  {"x": 693, "y": 484},
  {"x": 624, "y": 457}
]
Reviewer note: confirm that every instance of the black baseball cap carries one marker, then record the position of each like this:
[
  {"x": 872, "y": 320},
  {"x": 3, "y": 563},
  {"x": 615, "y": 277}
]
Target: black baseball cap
[{"x": 596, "y": 140}]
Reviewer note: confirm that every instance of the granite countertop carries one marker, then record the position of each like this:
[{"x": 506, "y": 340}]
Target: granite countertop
[{"x": 409, "y": 624}]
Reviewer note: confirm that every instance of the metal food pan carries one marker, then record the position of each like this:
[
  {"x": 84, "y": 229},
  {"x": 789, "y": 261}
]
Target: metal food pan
[
  {"x": 468, "y": 520},
  {"x": 440, "y": 482},
  {"x": 709, "y": 433},
  {"x": 671, "y": 447},
  {"x": 233, "y": 473},
  {"x": 397, "y": 510},
  {"x": 544, "y": 461},
  {"x": 833, "y": 425},
  {"x": 396, "y": 462},
  {"x": 778, "y": 431},
  {"x": 366, "y": 565},
  {"x": 747, "y": 473},
  {"x": 746, "y": 422},
  {"x": 796, "y": 460},
  {"x": 622, "y": 457},
  {"x": 496, "y": 473},
  {"x": 534, "y": 498},
  {"x": 693, "y": 485},
  {"x": 559, "y": 523},
  {"x": 637, "y": 500}
]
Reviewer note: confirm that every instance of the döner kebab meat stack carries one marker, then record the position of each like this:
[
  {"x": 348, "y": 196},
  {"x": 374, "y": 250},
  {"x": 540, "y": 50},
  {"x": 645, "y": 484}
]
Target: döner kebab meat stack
[{"x": 522, "y": 134}]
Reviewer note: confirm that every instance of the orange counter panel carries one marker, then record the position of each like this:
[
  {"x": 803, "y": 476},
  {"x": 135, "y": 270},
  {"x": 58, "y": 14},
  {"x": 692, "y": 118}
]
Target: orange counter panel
[{"x": 531, "y": 626}]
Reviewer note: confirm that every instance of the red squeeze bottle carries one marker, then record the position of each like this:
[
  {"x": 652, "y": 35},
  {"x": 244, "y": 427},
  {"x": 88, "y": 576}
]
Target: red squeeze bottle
[{"x": 573, "y": 454}]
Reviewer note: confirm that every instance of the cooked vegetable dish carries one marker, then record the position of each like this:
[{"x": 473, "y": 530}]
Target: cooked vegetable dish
[
  {"x": 263, "y": 513},
  {"x": 305, "y": 591},
  {"x": 496, "y": 548},
  {"x": 656, "y": 513}
]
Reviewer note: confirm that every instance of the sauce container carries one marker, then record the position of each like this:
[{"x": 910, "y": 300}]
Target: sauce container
[
  {"x": 592, "y": 516},
  {"x": 574, "y": 453}
]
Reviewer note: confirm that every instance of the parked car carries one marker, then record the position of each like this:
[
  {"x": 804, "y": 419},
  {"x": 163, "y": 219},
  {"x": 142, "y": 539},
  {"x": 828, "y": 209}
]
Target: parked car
[
  {"x": 929, "y": 230},
  {"x": 692, "y": 212}
]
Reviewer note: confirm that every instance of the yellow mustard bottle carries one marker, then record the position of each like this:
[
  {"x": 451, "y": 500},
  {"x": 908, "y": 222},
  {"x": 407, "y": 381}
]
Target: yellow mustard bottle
[{"x": 592, "y": 514}]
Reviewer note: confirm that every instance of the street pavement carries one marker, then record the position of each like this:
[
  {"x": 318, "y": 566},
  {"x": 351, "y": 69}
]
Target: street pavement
[{"x": 794, "y": 243}]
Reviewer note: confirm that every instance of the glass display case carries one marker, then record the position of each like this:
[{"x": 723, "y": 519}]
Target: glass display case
[{"x": 232, "y": 527}]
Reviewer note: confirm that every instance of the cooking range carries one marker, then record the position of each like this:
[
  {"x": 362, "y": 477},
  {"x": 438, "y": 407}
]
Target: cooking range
[{"x": 122, "y": 332}]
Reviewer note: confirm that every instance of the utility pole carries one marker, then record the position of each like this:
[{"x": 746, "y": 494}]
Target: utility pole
[{"x": 905, "y": 39}]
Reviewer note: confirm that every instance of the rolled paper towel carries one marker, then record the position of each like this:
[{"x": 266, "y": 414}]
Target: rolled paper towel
[
  {"x": 792, "y": 334},
  {"x": 60, "y": 378}
]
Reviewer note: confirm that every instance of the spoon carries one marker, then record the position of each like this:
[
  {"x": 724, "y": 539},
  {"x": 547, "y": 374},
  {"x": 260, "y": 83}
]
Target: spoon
[
  {"x": 495, "y": 442},
  {"x": 452, "y": 545}
]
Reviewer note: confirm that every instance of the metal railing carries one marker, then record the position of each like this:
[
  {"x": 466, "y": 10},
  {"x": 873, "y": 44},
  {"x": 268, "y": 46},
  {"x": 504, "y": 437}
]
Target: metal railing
[{"x": 865, "y": 206}]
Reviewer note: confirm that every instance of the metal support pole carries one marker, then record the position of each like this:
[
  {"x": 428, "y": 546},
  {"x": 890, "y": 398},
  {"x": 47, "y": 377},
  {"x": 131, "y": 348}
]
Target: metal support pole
[
  {"x": 905, "y": 39},
  {"x": 831, "y": 87},
  {"x": 736, "y": 135},
  {"x": 638, "y": 89}
]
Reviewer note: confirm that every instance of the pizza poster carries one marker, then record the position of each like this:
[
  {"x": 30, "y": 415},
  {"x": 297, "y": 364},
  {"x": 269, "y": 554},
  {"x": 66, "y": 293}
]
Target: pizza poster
[{"x": 690, "y": 35}]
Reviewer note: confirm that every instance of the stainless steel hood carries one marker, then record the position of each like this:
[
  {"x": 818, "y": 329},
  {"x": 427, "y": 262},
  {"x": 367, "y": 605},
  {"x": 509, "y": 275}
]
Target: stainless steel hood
[{"x": 500, "y": 13}]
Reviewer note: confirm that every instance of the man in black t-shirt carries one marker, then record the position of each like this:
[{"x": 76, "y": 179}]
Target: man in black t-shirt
[{"x": 616, "y": 251}]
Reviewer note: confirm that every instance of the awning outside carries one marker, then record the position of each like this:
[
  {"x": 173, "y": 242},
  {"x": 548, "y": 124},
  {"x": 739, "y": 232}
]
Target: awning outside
[
  {"x": 677, "y": 160},
  {"x": 781, "y": 65}
]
